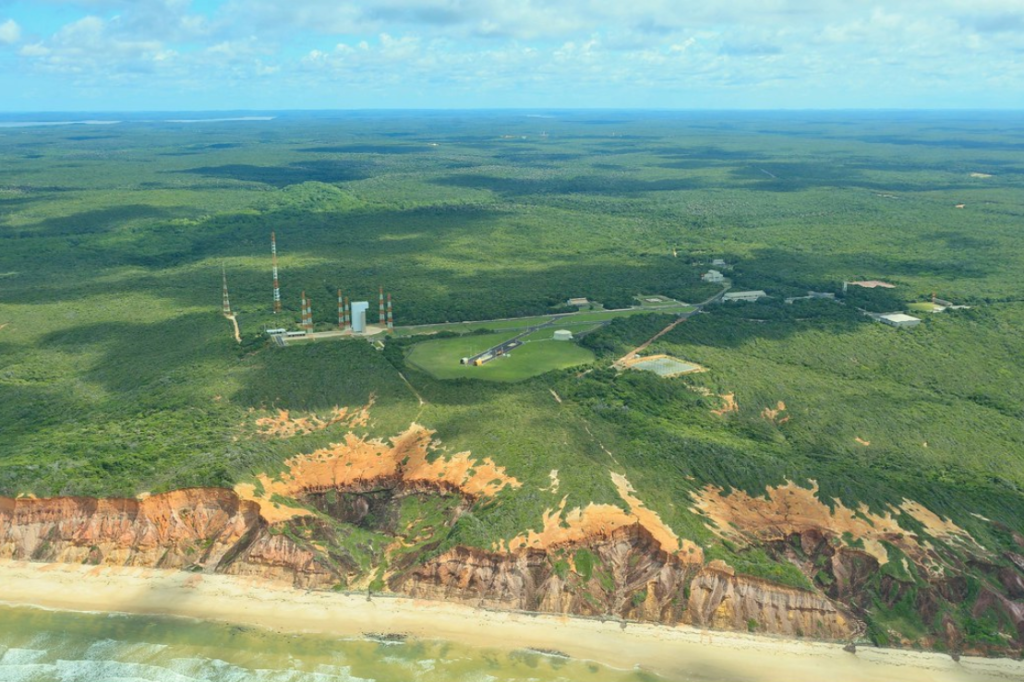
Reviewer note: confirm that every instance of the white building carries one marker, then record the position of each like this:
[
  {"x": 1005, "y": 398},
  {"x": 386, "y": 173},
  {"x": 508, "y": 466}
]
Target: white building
[
  {"x": 577, "y": 301},
  {"x": 732, "y": 296},
  {"x": 712, "y": 276},
  {"x": 359, "y": 309},
  {"x": 899, "y": 320},
  {"x": 562, "y": 335},
  {"x": 718, "y": 263}
]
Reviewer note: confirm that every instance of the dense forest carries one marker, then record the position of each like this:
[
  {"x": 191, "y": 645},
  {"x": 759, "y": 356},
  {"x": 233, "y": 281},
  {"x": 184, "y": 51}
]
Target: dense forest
[{"x": 119, "y": 375}]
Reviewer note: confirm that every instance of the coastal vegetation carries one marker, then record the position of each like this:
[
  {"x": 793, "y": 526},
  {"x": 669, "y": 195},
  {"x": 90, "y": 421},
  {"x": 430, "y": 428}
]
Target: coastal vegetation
[{"x": 119, "y": 375}]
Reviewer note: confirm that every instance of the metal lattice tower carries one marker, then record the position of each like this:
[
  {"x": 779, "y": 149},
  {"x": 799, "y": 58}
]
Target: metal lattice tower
[
  {"x": 382, "y": 306},
  {"x": 307, "y": 313},
  {"x": 341, "y": 311},
  {"x": 277, "y": 286},
  {"x": 348, "y": 318},
  {"x": 227, "y": 302},
  {"x": 391, "y": 321}
]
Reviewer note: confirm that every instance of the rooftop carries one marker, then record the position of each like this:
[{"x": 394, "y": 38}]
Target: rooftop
[
  {"x": 899, "y": 317},
  {"x": 745, "y": 294},
  {"x": 872, "y": 283}
]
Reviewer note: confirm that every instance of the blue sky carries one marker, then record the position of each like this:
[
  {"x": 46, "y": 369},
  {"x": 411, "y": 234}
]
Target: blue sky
[{"x": 108, "y": 55}]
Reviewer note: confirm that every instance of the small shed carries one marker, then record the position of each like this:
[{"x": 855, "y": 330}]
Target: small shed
[
  {"x": 562, "y": 335},
  {"x": 899, "y": 320},
  {"x": 577, "y": 301}
]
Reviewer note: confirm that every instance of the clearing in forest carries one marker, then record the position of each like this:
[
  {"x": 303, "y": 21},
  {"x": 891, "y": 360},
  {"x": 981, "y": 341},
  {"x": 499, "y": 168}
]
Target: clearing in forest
[
  {"x": 441, "y": 358},
  {"x": 663, "y": 365}
]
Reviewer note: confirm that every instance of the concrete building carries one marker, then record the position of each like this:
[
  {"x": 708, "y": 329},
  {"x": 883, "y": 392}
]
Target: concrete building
[
  {"x": 712, "y": 276},
  {"x": 577, "y": 301},
  {"x": 562, "y": 335},
  {"x": 824, "y": 295},
  {"x": 899, "y": 320},
  {"x": 359, "y": 309},
  {"x": 732, "y": 296},
  {"x": 719, "y": 263}
]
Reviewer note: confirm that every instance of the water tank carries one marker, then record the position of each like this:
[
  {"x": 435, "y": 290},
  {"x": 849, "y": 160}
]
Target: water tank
[{"x": 563, "y": 335}]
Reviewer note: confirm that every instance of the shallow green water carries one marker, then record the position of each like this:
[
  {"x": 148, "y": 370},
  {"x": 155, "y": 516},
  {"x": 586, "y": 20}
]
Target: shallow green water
[{"x": 38, "y": 646}]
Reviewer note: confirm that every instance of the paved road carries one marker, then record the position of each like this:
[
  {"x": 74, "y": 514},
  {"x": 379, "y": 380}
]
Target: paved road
[
  {"x": 514, "y": 342},
  {"x": 623, "y": 362}
]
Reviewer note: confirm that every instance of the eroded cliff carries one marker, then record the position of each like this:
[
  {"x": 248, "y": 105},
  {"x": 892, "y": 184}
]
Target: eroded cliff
[{"x": 376, "y": 514}]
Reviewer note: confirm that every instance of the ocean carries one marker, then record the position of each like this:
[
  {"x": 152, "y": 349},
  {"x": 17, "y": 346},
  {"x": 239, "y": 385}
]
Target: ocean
[{"x": 38, "y": 645}]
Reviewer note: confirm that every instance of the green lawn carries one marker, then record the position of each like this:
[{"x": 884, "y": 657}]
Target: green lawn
[
  {"x": 440, "y": 358},
  {"x": 601, "y": 316},
  {"x": 526, "y": 322}
]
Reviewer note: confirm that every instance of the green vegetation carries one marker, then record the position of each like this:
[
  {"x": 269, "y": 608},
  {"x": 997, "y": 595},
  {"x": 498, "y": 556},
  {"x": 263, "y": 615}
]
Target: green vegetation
[
  {"x": 118, "y": 374},
  {"x": 441, "y": 358}
]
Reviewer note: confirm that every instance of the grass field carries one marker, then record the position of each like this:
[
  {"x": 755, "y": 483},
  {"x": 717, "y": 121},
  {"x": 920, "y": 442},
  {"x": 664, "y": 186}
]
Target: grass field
[
  {"x": 565, "y": 320},
  {"x": 440, "y": 358}
]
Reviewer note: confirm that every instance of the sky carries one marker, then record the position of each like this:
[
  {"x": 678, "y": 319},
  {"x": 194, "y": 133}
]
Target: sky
[{"x": 149, "y": 55}]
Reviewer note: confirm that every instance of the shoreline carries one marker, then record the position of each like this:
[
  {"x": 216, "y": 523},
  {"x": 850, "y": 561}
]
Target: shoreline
[{"x": 669, "y": 651}]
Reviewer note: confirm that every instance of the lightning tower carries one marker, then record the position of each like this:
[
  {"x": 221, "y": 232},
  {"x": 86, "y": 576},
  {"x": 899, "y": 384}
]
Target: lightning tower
[
  {"x": 307, "y": 313},
  {"x": 348, "y": 320},
  {"x": 227, "y": 303},
  {"x": 382, "y": 306},
  {"x": 391, "y": 321},
  {"x": 341, "y": 311},
  {"x": 277, "y": 287}
]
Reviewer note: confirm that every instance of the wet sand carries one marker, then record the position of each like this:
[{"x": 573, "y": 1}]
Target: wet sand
[{"x": 673, "y": 652}]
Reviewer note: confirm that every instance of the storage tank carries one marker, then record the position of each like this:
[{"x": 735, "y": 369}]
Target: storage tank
[{"x": 563, "y": 335}]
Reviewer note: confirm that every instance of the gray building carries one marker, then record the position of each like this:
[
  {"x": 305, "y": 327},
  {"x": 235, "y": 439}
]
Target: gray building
[
  {"x": 712, "y": 276},
  {"x": 359, "y": 309},
  {"x": 732, "y": 296},
  {"x": 899, "y": 320}
]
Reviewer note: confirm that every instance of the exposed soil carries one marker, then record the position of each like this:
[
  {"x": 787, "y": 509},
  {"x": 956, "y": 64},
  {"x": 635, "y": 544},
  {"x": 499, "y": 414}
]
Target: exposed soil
[
  {"x": 791, "y": 509},
  {"x": 730, "y": 405},
  {"x": 284, "y": 425},
  {"x": 773, "y": 415},
  {"x": 579, "y": 525},
  {"x": 360, "y": 460}
]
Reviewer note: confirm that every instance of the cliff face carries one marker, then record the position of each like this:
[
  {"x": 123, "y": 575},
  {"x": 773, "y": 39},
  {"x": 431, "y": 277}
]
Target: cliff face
[
  {"x": 180, "y": 529},
  {"x": 629, "y": 577},
  {"x": 371, "y": 514},
  {"x": 624, "y": 572}
]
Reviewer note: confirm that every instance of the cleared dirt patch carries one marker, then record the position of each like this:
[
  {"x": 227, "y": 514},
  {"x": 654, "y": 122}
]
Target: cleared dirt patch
[
  {"x": 729, "y": 405},
  {"x": 775, "y": 415},
  {"x": 662, "y": 365},
  {"x": 284, "y": 425}
]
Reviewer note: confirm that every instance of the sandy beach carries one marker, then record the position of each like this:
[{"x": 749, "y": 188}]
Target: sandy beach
[{"x": 674, "y": 652}]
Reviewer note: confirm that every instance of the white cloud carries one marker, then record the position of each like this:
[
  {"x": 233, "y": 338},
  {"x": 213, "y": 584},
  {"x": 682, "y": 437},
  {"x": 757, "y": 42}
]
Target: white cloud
[
  {"x": 554, "y": 48},
  {"x": 10, "y": 32}
]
